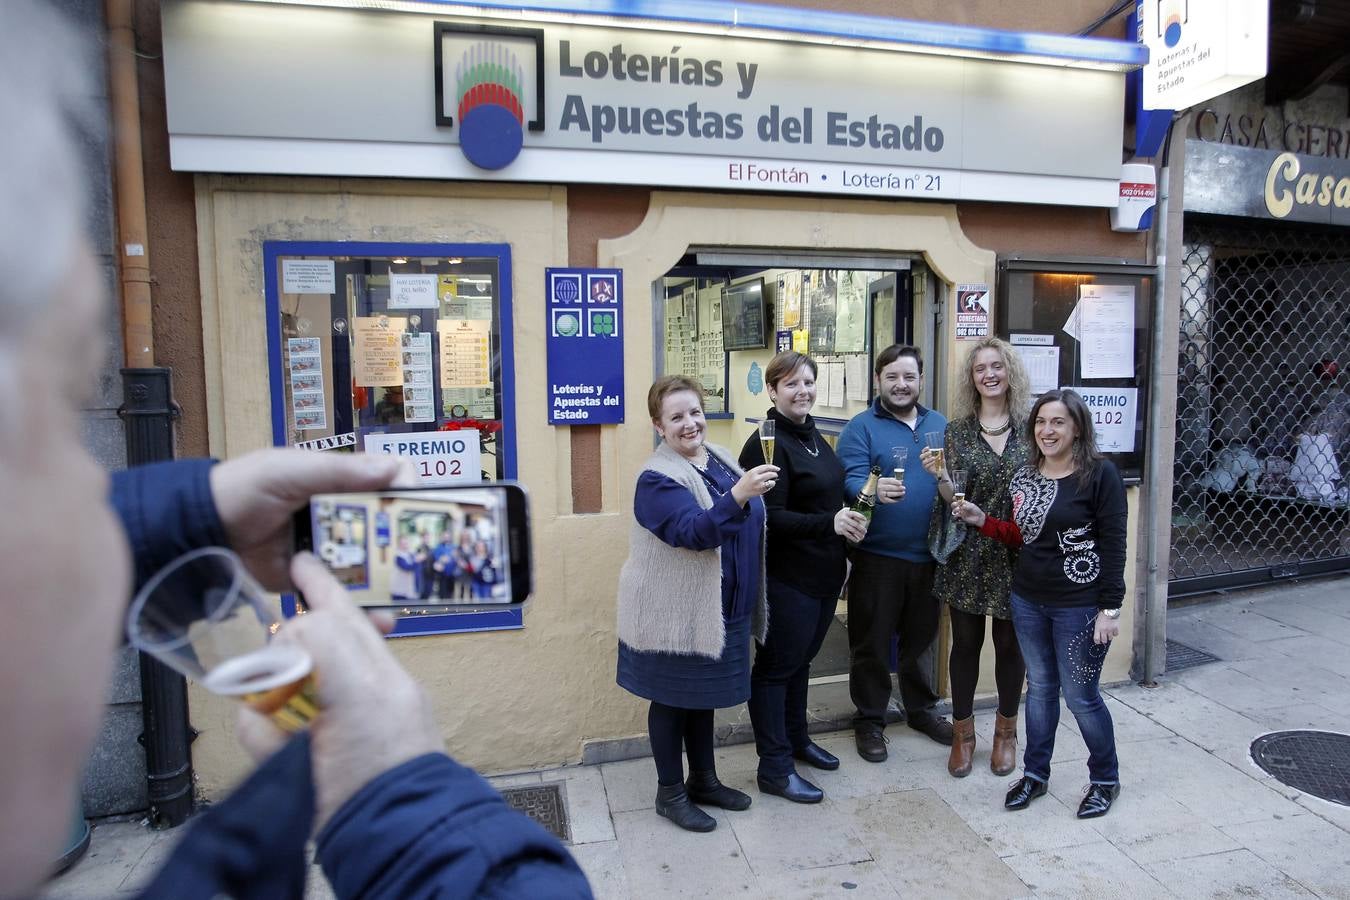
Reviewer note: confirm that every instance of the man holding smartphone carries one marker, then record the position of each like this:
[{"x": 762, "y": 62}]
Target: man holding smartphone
[{"x": 382, "y": 783}]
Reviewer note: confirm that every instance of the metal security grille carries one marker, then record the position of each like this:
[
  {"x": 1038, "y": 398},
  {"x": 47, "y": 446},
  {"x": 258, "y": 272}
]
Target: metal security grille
[{"x": 1263, "y": 405}]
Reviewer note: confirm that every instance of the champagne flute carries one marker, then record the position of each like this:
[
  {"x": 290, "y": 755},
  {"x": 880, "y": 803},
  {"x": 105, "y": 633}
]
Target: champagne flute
[
  {"x": 936, "y": 444},
  {"x": 958, "y": 486},
  {"x": 766, "y": 438},
  {"x": 203, "y": 615},
  {"x": 899, "y": 455}
]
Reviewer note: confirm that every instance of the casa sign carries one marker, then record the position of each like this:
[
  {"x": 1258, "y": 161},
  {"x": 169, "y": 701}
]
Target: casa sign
[{"x": 1238, "y": 181}]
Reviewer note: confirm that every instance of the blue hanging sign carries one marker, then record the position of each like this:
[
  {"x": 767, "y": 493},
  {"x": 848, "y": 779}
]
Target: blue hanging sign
[{"x": 585, "y": 346}]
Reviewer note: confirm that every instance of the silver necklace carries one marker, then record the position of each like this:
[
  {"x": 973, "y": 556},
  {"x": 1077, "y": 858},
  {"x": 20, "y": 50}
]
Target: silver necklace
[{"x": 813, "y": 449}]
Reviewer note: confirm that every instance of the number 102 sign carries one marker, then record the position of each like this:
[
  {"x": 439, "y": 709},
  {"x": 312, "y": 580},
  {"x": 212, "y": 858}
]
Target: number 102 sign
[{"x": 440, "y": 457}]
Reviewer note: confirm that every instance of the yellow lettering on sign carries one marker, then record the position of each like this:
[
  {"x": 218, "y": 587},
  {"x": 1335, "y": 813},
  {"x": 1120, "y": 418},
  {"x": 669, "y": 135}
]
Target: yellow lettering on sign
[{"x": 1285, "y": 167}]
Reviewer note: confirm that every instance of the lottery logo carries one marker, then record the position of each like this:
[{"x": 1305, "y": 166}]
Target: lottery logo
[
  {"x": 489, "y": 82},
  {"x": 604, "y": 323}
]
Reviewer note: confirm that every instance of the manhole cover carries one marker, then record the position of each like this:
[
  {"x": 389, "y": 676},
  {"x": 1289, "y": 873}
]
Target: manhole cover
[
  {"x": 543, "y": 803},
  {"x": 1315, "y": 762},
  {"x": 1180, "y": 656}
]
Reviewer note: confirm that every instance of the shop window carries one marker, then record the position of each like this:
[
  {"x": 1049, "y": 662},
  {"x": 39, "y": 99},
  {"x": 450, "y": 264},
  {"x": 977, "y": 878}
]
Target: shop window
[
  {"x": 369, "y": 339},
  {"x": 1086, "y": 325},
  {"x": 715, "y": 318}
]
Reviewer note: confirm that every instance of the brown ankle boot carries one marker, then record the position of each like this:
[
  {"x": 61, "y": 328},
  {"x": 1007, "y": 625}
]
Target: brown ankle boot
[
  {"x": 1003, "y": 758},
  {"x": 963, "y": 747}
]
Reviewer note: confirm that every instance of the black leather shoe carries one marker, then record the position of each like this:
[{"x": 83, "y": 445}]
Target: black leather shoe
[
  {"x": 1097, "y": 801},
  {"x": 791, "y": 787},
  {"x": 871, "y": 744},
  {"x": 1023, "y": 792},
  {"x": 705, "y": 788},
  {"x": 933, "y": 725},
  {"x": 817, "y": 757},
  {"x": 674, "y": 804}
]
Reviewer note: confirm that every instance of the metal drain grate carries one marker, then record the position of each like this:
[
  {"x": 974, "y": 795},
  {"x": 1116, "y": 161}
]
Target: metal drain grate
[
  {"x": 1315, "y": 762},
  {"x": 1180, "y": 656},
  {"x": 545, "y": 804}
]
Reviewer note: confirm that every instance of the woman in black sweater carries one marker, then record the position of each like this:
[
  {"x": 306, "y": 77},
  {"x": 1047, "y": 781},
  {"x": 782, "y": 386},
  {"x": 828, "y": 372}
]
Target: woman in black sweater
[
  {"x": 805, "y": 573},
  {"x": 1069, "y": 517}
]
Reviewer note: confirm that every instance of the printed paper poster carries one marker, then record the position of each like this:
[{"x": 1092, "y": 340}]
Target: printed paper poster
[
  {"x": 309, "y": 406},
  {"x": 418, "y": 404},
  {"x": 308, "y": 276},
  {"x": 1106, "y": 325},
  {"x": 412, "y": 291},
  {"x": 376, "y": 350},
  {"x": 465, "y": 352}
]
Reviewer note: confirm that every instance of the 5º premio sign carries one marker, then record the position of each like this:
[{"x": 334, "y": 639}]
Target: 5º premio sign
[{"x": 585, "y": 346}]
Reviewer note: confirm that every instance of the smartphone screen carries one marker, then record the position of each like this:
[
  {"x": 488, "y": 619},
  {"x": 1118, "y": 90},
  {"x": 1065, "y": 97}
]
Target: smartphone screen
[{"x": 424, "y": 547}]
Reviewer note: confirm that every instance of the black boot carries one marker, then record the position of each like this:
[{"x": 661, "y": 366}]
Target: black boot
[
  {"x": 673, "y": 803},
  {"x": 703, "y": 787}
]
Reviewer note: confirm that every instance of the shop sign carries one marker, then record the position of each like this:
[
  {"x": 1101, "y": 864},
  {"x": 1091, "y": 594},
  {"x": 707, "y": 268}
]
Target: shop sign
[
  {"x": 469, "y": 99},
  {"x": 1266, "y": 184},
  {"x": 1199, "y": 50},
  {"x": 439, "y": 457},
  {"x": 585, "y": 346},
  {"x": 1114, "y": 415}
]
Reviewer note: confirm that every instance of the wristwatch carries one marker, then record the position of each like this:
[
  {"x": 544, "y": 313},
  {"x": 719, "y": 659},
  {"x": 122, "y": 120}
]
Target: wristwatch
[{"x": 1110, "y": 613}]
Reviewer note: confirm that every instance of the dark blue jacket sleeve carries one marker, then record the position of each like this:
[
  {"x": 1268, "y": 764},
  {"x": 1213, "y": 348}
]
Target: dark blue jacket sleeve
[
  {"x": 668, "y": 510},
  {"x": 433, "y": 828},
  {"x": 167, "y": 509}
]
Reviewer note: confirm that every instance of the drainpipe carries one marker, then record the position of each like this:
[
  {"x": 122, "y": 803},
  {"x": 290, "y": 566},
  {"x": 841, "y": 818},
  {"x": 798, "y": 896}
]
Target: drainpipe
[
  {"x": 147, "y": 411},
  {"x": 1159, "y": 466}
]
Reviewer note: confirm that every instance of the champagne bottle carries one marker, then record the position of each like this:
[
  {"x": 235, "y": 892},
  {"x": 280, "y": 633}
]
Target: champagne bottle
[{"x": 867, "y": 497}]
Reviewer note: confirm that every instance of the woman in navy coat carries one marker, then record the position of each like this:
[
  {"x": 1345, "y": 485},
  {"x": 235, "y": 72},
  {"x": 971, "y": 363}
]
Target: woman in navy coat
[{"x": 690, "y": 595}]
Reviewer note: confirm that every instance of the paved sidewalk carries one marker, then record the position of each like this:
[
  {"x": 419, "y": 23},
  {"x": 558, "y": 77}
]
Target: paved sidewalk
[{"x": 1196, "y": 818}]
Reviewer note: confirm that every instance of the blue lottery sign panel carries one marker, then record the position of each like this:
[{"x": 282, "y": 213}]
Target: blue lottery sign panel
[{"x": 585, "y": 346}]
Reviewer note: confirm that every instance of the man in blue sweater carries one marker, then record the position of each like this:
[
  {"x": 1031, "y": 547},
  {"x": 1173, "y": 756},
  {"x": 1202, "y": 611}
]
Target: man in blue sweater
[{"x": 890, "y": 591}]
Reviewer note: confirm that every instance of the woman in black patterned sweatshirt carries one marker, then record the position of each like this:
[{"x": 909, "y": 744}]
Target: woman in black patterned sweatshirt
[{"x": 1069, "y": 517}]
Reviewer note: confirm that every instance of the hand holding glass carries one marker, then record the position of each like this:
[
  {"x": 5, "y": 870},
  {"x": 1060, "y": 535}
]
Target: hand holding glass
[
  {"x": 203, "y": 615},
  {"x": 766, "y": 438}
]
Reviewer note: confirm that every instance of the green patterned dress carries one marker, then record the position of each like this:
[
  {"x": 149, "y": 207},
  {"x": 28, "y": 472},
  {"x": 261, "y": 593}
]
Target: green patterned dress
[{"x": 977, "y": 577}]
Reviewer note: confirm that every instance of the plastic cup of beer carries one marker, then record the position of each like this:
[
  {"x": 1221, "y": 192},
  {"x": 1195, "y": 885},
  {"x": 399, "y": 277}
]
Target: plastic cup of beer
[
  {"x": 899, "y": 456},
  {"x": 203, "y": 615},
  {"x": 767, "y": 428},
  {"x": 936, "y": 443}
]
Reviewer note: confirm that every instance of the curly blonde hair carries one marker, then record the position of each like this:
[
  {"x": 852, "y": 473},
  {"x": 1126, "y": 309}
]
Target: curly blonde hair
[{"x": 967, "y": 400}]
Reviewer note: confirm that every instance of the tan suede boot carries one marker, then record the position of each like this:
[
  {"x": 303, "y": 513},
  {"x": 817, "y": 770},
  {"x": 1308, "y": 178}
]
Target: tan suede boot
[
  {"x": 1003, "y": 758},
  {"x": 963, "y": 747}
]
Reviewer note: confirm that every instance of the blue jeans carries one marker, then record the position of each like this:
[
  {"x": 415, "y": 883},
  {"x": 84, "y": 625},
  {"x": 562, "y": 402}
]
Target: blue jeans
[
  {"x": 1060, "y": 655},
  {"x": 778, "y": 682}
]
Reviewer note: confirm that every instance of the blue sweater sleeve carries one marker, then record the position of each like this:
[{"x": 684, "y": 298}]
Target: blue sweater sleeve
[
  {"x": 668, "y": 510},
  {"x": 854, "y": 451},
  {"x": 433, "y": 828},
  {"x": 167, "y": 510}
]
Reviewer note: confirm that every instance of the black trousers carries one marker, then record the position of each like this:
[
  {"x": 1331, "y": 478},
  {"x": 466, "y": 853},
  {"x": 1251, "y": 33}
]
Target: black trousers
[
  {"x": 889, "y": 596},
  {"x": 778, "y": 682}
]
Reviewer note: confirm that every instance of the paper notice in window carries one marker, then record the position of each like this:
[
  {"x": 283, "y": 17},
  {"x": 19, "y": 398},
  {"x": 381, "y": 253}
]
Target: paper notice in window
[
  {"x": 376, "y": 354},
  {"x": 465, "y": 352},
  {"x": 1106, "y": 330},
  {"x": 1042, "y": 365}
]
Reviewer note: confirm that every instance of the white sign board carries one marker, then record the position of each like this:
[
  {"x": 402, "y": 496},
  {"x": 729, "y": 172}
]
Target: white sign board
[
  {"x": 307, "y": 276},
  {"x": 595, "y": 104},
  {"x": 1199, "y": 50},
  {"x": 413, "y": 291},
  {"x": 440, "y": 457},
  {"x": 1114, "y": 411}
]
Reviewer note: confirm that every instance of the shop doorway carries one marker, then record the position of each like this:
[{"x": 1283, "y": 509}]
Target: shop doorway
[
  {"x": 1263, "y": 406},
  {"x": 721, "y": 316}
]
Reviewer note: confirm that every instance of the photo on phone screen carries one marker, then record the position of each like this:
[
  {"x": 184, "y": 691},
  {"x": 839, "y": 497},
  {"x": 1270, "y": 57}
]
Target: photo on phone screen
[{"x": 424, "y": 547}]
